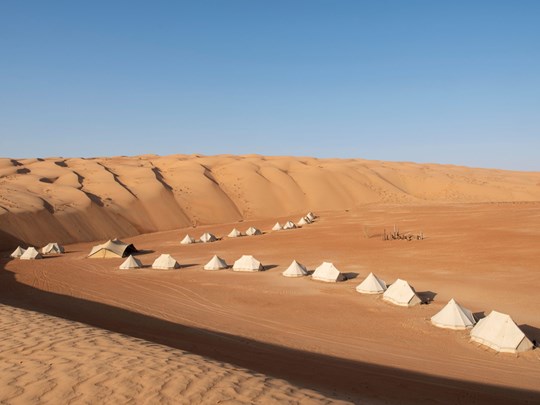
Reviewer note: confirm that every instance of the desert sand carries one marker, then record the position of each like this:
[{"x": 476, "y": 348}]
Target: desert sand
[{"x": 196, "y": 336}]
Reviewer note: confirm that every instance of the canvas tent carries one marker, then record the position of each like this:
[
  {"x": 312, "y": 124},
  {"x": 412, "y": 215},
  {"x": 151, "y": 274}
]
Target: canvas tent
[
  {"x": 499, "y": 332},
  {"x": 208, "y": 237},
  {"x": 247, "y": 263},
  {"x": 402, "y": 294},
  {"x": 289, "y": 225},
  {"x": 187, "y": 240},
  {"x": 328, "y": 272},
  {"x": 311, "y": 216},
  {"x": 251, "y": 231},
  {"x": 216, "y": 263},
  {"x": 17, "y": 252},
  {"x": 235, "y": 233},
  {"x": 303, "y": 221},
  {"x": 371, "y": 285},
  {"x": 453, "y": 316},
  {"x": 295, "y": 270},
  {"x": 30, "y": 254},
  {"x": 52, "y": 248},
  {"x": 277, "y": 227},
  {"x": 112, "y": 248},
  {"x": 131, "y": 263},
  {"x": 164, "y": 262}
]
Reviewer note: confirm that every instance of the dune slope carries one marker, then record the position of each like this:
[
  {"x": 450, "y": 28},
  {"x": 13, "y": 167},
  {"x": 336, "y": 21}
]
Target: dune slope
[{"x": 74, "y": 200}]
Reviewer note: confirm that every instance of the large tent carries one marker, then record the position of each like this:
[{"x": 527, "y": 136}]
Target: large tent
[
  {"x": 131, "y": 263},
  {"x": 208, "y": 237},
  {"x": 235, "y": 233},
  {"x": 52, "y": 248},
  {"x": 453, "y": 316},
  {"x": 289, "y": 225},
  {"x": 499, "y": 332},
  {"x": 402, "y": 294},
  {"x": 251, "y": 231},
  {"x": 295, "y": 270},
  {"x": 371, "y": 285},
  {"x": 277, "y": 227},
  {"x": 247, "y": 263},
  {"x": 17, "y": 252},
  {"x": 187, "y": 240},
  {"x": 216, "y": 263},
  {"x": 164, "y": 262},
  {"x": 112, "y": 248},
  {"x": 30, "y": 254},
  {"x": 328, "y": 272}
]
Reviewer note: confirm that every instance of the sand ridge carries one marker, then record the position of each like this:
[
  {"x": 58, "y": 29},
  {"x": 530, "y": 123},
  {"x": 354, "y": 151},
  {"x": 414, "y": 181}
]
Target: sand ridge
[{"x": 83, "y": 199}]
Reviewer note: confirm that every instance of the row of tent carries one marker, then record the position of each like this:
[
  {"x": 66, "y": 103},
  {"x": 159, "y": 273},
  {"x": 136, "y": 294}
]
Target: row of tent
[
  {"x": 32, "y": 253},
  {"x": 208, "y": 237},
  {"x": 497, "y": 331}
]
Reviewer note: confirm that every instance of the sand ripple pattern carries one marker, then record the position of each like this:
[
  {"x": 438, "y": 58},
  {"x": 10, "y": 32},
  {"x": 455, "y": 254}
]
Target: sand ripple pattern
[{"x": 51, "y": 360}]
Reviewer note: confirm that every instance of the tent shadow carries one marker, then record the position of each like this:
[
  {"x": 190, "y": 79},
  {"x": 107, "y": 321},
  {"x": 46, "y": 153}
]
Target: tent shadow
[
  {"x": 350, "y": 276},
  {"x": 531, "y": 332},
  {"x": 142, "y": 252},
  {"x": 479, "y": 315},
  {"x": 426, "y": 296},
  {"x": 269, "y": 267},
  {"x": 186, "y": 265}
]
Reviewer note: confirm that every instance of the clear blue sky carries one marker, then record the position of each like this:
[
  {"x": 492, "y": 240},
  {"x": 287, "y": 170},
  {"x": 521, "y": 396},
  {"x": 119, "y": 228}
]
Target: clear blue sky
[{"x": 426, "y": 81}]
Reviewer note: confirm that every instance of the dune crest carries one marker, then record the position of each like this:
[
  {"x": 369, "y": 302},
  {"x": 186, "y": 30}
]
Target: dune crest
[{"x": 79, "y": 199}]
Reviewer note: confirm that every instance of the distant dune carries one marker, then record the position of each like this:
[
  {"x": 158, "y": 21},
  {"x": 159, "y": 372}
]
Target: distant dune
[{"x": 74, "y": 200}]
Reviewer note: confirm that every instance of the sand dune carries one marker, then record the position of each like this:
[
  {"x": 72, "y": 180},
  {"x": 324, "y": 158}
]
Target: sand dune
[
  {"x": 73, "y": 200},
  {"x": 46, "y": 359}
]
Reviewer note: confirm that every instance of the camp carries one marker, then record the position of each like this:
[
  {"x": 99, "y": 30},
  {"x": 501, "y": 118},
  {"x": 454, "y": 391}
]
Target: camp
[
  {"x": 235, "y": 233},
  {"x": 499, "y": 332},
  {"x": 17, "y": 252},
  {"x": 165, "y": 261},
  {"x": 311, "y": 216},
  {"x": 216, "y": 263},
  {"x": 277, "y": 227},
  {"x": 289, "y": 225},
  {"x": 328, "y": 272},
  {"x": 131, "y": 263},
  {"x": 251, "y": 231},
  {"x": 295, "y": 270},
  {"x": 402, "y": 294},
  {"x": 30, "y": 254},
  {"x": 371, "y": 285},
  {"x": 453, "y": 316},
  {"x": 208, "y": 237},
  {"x": 187, "y": 240},
  {"x": 247, "y": 263},
  {"x": 112, "y": 248},
  {"x": 52, "y": 248}
]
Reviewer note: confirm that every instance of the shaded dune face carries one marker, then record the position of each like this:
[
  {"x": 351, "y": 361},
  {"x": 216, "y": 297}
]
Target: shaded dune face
[{"x": 73, "y": 200}]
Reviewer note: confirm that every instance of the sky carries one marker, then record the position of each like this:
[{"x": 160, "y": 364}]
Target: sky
[{"x": 405, "y": 80}]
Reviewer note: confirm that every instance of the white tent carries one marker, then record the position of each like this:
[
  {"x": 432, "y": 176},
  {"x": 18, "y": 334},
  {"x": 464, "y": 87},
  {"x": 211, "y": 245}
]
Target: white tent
[
  {"x": 453, "y": 316},
  {"x": 499, "y": 332},
  {"x": 30, "y": 254},
  {"x": 52, "y": 248},
  {"x": 235, "y": 233},
  {"x": 131, "y": 263},
  {"x": 328, "y": 272},
  {"x": 311, "y": 216},
  {"x": 17, "y": 252},
  {"x": 112, "y": 248},
  {"x": 402, "y": 294},
  {"x": 247, "y": 263},
  {"x": 216, "y": 263},
  {"x": 303, "y": 221},
  {"x": 295, "y": 270},
  {"x": 165, "y": 261},
  {"x": 251, "y": 231},
  {"x": 187, "y": 240},
  {"x": 289, "y": 225},
  {"x": 277, "y": 227},
  {"x": 371, "y": 285},
  {"x": 208, "y": 237}
]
